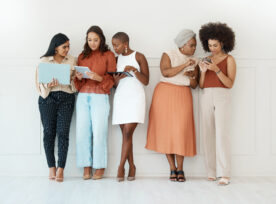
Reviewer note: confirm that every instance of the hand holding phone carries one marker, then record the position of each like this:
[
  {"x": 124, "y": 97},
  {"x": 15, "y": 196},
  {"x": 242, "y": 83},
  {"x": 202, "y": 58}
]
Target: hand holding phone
[{"x": 207, "y": 59}]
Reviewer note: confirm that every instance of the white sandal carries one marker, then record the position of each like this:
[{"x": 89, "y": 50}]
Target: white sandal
[{"x": 223, "y": 181}]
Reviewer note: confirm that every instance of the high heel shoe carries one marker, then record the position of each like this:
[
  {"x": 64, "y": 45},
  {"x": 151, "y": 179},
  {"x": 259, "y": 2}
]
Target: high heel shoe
[
  {"x": 52, "y": 177},
  {"x": 173, "y": 175},
  {"x": 131, "y": 174},
  {"x": 98, "y": 176},
  {"x": 121, "y": 175},
  {"x": 59, "y": 178},
  {"x": 87, "y": 176},
  {"x": 181, "y": 176}
]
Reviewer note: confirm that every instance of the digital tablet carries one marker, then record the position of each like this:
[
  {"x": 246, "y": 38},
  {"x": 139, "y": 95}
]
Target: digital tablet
[
  {"x": 125, "y": 73},
  {"x": 49, "y": 71},
  {"x": 82, "y": 70}
]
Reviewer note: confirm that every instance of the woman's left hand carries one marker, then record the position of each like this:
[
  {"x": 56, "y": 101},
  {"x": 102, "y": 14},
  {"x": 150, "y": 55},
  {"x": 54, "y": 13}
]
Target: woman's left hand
[
  {"x": 94, "y": 76},
  {"x": 130, "y": 68},
  {"x": 190, "y": 74}
]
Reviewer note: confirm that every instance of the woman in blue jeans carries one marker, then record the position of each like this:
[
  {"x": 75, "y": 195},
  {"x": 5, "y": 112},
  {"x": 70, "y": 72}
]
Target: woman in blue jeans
[{"x": 93, "y": 103}]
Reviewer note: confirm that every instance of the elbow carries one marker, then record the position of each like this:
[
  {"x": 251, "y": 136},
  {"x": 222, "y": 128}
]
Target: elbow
[
  {"x": 193, "y": 85},
  {"x": 230, "y": 85},
  {"x": 165, "y": 74},
  {"x": 146, "y": 82}
]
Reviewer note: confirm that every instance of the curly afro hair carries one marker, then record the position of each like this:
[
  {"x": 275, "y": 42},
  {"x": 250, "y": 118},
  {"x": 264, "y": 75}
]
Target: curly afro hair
[{"x": 217, "y": 31}]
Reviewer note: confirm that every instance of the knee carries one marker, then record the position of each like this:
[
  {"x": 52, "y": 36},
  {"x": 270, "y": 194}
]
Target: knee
[
  {"x": 49, "y": 135},
  {"x": 63, "y": 132},
  {"x": 127, "y": 134}
]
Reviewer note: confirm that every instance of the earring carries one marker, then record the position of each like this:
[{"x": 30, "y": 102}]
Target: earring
[
  {"x": 56, "y": 51},
  {"x": 125, "y": 50}
]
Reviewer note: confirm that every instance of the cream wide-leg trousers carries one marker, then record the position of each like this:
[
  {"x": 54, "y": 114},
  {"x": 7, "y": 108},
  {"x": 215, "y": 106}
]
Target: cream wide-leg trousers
[{"x": 214, "y": 125}]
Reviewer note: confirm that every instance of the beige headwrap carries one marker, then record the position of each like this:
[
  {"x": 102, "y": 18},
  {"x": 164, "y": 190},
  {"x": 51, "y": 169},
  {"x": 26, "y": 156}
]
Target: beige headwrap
[{"x": 183, "y": 37}]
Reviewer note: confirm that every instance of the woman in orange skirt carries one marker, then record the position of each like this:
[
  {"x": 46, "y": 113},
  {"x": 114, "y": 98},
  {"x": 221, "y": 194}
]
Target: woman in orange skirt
[{"x": 171, "y": 128}]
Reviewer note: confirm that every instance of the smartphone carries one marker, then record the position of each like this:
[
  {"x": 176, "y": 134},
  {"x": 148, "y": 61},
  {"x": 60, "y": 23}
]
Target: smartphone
[
  {"x": 125, "y": 73},
  {"x": 207, "y": 60}
]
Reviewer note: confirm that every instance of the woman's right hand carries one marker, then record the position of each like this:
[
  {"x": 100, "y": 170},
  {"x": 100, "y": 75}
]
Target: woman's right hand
[
  {"x": 117, "y": 78},
  {"x": 79, "y": 75},
  {"x": 190, "y": 62},
  {"x": 53, "y": 83},
  {"x": 202, "y": 66}
]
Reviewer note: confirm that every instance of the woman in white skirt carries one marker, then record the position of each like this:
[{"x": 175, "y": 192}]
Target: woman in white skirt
[{"x": 129, "y": 103}]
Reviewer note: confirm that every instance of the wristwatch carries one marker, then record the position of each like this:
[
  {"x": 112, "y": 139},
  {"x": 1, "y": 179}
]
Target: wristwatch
[{"x": 218, "y": 72}]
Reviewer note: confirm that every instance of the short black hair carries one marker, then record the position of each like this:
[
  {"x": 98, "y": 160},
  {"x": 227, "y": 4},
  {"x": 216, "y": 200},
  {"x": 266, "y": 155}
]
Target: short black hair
[
  {"x": 217, "y": 31},
  {"x": 122, "y": 36},
  {"x": 56, "y": 41}
]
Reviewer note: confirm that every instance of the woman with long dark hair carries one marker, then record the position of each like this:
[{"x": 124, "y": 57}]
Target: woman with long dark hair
[
  {"x": 56, "y": 106},
  {"x": 93, "y": 103}
]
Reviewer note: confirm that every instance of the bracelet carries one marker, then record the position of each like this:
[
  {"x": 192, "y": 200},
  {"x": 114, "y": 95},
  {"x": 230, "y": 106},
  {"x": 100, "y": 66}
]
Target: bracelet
[
  {"x": 135, "y": 71},
  {"x": 218, "y": 72}
]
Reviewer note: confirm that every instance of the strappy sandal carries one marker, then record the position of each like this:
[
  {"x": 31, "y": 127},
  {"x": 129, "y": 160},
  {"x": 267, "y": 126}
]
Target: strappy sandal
[
  {"x": 173, "y": 176},
  {"x": 224, "y": 181},
  {"x": 181, "y": 176}
]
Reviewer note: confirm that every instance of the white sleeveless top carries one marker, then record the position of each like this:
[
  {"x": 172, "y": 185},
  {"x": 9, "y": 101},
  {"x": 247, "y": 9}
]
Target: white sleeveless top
[
  {"x": 129, "y": 103},
  {"x": 177, "y": 58}
]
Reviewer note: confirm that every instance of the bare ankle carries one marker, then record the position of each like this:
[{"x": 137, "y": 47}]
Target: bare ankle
[{"x": 132, "y": 166}]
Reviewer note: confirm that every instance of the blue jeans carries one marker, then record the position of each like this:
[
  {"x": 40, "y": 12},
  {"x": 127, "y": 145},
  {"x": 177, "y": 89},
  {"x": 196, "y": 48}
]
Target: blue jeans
[{"x": 92, "y": 129}]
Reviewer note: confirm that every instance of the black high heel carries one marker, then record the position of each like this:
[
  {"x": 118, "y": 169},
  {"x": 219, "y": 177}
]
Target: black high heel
[
  {"x": 173, "y": 176},
  {"x": 181, "y": 176}
]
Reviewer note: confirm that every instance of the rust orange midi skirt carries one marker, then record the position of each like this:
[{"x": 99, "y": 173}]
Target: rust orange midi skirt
[{"x": 171, "y": 127}]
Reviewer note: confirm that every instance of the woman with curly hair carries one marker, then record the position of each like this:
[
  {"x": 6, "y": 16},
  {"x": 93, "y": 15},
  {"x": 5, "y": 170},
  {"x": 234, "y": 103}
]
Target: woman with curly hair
[
  {"x": 217, "y": 77},
  {"x": 93, "y": 103}
]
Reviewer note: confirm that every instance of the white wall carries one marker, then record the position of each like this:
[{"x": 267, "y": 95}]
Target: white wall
[{"x": 27, "y": 27}]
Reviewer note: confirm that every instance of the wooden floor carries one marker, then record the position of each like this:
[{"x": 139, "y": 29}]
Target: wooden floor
[{"x": 39, "y": 190}]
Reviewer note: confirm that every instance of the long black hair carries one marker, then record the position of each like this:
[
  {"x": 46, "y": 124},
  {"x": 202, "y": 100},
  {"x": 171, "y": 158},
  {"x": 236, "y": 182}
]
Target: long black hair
[
  {"x": 56, "y": 41},
  {"x": 103, "y": 46}
]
